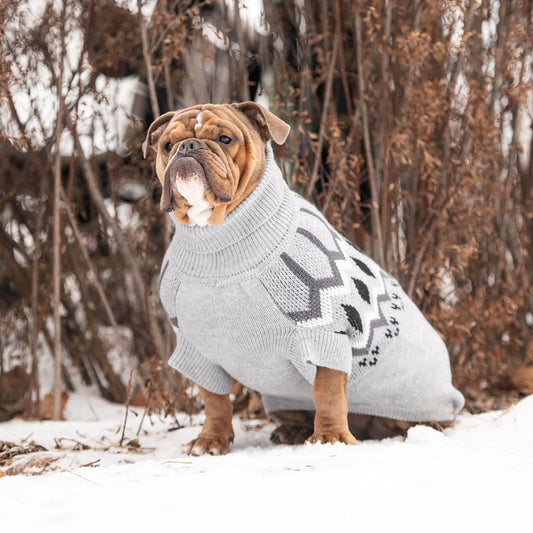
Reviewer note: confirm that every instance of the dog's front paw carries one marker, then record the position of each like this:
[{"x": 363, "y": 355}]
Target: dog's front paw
[
  {"x": 212, "y": 445},
  {"x": 331, "y": 437}
]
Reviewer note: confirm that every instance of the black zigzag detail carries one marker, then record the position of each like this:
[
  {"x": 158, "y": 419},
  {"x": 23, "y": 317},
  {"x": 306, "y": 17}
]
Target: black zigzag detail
[
  {"x": 354, "y": 318},
  {"x": 314, "y": 308},
  {"x": 377, "y": 322},
  {"x": 362, "y": 289}
]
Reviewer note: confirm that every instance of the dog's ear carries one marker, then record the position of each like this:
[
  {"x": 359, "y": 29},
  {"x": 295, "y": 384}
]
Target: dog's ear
[
  {"x": 268, "y": 124},
  {"x": 157, "y": 127}
]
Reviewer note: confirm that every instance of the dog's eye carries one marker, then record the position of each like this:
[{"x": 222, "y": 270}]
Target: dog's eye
[
  {"x": 224, "y": 139},
  {"x": 167, "y": 147}
]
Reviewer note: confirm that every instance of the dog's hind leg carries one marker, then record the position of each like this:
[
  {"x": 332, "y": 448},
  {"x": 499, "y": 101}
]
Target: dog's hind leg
[
  {"x": 295, "y": 427},
  {"x": 377, "y": 427}
]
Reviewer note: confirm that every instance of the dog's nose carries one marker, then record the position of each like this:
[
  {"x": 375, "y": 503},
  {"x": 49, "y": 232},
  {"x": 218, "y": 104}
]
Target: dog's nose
[{"x": 188, "y": 146}]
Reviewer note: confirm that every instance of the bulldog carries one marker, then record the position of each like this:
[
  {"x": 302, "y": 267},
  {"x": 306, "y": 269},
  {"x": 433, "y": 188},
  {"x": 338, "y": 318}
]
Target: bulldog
[{"x": 260, "y": 287}]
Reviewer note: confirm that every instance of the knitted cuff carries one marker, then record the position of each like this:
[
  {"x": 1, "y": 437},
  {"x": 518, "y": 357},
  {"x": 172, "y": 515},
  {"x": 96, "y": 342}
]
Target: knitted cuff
[
  {"x": 188, "y": 360},
  {"x": 321, "y": 348}
]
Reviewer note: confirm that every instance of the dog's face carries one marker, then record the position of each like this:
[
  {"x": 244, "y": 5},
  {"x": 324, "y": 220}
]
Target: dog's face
[{"x": 210, "y": 157}]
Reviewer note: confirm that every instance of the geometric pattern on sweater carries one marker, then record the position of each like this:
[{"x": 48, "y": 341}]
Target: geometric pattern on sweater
[{"x": 323, "y": 281}]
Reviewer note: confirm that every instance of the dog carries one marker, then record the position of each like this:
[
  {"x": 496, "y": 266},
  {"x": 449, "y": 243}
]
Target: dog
[{"x": 260, "y": 287}]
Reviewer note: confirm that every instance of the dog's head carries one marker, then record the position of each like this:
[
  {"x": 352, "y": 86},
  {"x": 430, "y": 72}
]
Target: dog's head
[{"x": 210, "y": 157}]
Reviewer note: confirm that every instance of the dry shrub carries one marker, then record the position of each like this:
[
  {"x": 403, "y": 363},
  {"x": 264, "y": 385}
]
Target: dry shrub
[
  {"x": 28, "y": 458},
  {"x": 31, "y": 465}
]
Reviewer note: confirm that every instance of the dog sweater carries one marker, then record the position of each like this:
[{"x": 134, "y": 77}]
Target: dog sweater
[{"x": 274, "y": 291}]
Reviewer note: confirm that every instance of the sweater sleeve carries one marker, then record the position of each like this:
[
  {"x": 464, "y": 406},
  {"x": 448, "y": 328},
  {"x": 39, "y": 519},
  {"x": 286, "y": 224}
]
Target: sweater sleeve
[
  {"x": 312, "y": 348},
  {"x": 190, "y": 362}
]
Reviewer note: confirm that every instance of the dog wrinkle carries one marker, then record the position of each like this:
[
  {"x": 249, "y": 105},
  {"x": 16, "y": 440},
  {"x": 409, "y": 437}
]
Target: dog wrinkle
[{"x": 199, "y": 122}]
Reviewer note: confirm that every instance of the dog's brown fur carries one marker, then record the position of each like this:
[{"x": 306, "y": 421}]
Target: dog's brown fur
[
  {"x": 331, "y": 416},
  {"x": 217, "y": 432}
]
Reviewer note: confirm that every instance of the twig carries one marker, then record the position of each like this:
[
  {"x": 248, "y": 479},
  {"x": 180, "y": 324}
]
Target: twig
[
  {"x": 145, "y": 409},
  {"x": 56, "y": 265},
  {"x": 36, "y": 318},
  {"x": 342, "y": 63},
  {"x": 148, "y": 62},
  {"x": 127, "y": 409},
  {"x": 385, "y": 133},
  {"x": 374, "y": 207},
  {"x": 92, "y": 463},
  {"x": 327, "y": 97},
  {"x": 59, "y": 440},
  {"x": 69, "y": 471}
]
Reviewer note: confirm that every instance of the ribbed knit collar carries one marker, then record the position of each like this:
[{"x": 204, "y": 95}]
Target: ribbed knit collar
[{"x": 247, "y": 237}]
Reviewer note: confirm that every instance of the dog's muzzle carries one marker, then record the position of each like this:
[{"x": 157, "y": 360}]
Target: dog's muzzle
[
  {"x": 192, "y": 161},
  {"x": 181, "y": 170},
  {"x": 181, "y": 167}
]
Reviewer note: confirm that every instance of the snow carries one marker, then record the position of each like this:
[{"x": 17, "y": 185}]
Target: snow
[{"x": 478, "y": 476}]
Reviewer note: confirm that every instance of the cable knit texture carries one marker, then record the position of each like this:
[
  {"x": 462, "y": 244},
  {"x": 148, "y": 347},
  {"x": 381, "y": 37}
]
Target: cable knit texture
[{"x": 274, "y": 291}]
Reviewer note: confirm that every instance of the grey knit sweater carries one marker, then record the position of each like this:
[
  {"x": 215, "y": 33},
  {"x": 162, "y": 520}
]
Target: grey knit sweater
[{"x": 274, "y": 290}]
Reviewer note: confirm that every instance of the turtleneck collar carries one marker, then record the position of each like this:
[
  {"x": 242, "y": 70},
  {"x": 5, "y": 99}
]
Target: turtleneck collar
[{"x": 246, "y": 238}]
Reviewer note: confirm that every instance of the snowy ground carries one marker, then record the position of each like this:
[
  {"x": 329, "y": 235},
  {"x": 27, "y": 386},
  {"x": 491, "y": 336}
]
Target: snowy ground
[{"x": 476, "y": 477}]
